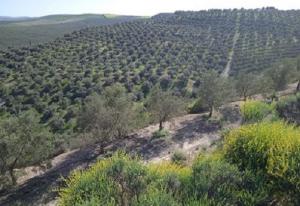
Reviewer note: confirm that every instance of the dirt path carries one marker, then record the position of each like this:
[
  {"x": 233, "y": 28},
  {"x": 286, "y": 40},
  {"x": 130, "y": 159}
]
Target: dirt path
[{"x": 236, "y": 36}]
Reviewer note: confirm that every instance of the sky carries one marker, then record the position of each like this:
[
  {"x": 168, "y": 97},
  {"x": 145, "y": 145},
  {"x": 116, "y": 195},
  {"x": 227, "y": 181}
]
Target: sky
[{"x": 35, "y": 8}]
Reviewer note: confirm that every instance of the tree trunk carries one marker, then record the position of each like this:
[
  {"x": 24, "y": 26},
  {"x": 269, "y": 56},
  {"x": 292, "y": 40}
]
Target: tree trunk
[
  {"x": 12, "y": 176},
  {"x": 211, "y": 109},
  {"x": 160, "y": 125}
]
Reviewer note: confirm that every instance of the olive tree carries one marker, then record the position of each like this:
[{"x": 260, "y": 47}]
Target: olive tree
[
  {"x": 246, "y": 85},
  {"x": 298, "y": 74},
  {"x": 162, "y": 106},
  {"x": 23, "y": 142},
  {"x": 214, "y": 90},
  {"x": 107, "y": 116},
  {"x": 279, "y": 75}
]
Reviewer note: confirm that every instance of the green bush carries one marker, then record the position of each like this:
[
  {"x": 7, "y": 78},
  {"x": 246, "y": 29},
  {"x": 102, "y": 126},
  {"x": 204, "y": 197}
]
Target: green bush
[
  {"x": 178, "y": 157},
  {"x": 203, "y": 202},
  {"x": 113, "y": 181},
  {"x": 171, "y": 177},
  {"x": 125, "y": 180},
  {"x": 268, "y": 148},
  {"x": 289, "y": 108},
  {"x": 197, "y": 107},
  {"x": 160, "y": 134},
  {"x": 156, "y": 197},
  {"x": 218, "y": 182},
  {"x": 215, "y": 179},
  {"x": 120, "y": 180},
  {"x": 255, "y": 111}
]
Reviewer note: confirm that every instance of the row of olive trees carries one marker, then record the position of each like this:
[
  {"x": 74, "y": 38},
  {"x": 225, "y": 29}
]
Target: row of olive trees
[
  {"x": 113, "y": 114},
  {"x": 214, "y": 90}
]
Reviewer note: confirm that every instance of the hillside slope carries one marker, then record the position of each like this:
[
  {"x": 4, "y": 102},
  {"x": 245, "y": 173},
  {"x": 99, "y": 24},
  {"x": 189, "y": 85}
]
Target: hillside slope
[
  {"x": 190, "y": 134},
  {"x": 169, "y": 49},
  {"x": 16, "y": 32}
]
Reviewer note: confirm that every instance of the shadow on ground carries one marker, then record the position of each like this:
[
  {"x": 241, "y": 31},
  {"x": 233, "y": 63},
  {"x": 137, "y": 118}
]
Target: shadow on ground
[{"x": 42, "y": 189}]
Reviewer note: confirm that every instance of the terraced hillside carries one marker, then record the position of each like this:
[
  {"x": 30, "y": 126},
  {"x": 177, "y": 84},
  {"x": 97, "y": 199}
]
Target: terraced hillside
[
  {"x": 169, "y": 49},
  {"x": 18, "y": 32}
]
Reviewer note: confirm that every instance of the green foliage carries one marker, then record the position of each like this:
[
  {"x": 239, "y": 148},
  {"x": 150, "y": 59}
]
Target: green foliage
[
  {"x": 104, "y": 183},
  {"x": 247, "y": 85},
  {"x": 124, "y": 180},
  {"x": 57, "y": 76},
  {"x": 119, "y": 180},
  {"x": 23, "y": 142},
  {"x": 255, "y": 111},
  {"x": 163, "y": 133},
  {"x": 216, "y": 179},
  {"x": 269, "y": 148},
  {"x": 33, "y": 31},
  {"x": 178, "y": 157},
  {"x": 162, "y": 106},
  {"x": 197, "y": 107},
  {"x": 289, "y": 108},
  {"x": 157, "y": 198},
  {"x": 108, "y": 116},
  {"x": 214, "y": 90},
  {"x": 278, "y": 77},
  {"x": 297, "y": 74}
]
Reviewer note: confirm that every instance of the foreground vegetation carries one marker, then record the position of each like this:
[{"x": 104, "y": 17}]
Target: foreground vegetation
[{"x": 257, "y": 164}]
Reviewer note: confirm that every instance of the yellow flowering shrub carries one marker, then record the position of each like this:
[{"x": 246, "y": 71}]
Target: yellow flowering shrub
[{"x": 269, "y": 147}]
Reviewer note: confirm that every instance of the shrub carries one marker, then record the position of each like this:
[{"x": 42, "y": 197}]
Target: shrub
[
  {"x": 215, "y": 179},
  {"x": 113, "y": 181},
  {"x": 289, "y": 109},
  {"x": 160, "y": 134},
  {"x": 125, "y": 180},
  {"x": 170, "y": 177},
  {"x": 269, "y": 148},
  {"x": 197, "y": 107},
  {"x": 156, "y": 197},
  {"x": 255, "y": 111},
  {"x": 178, "y": 157},
  {"x": 203, "y": 202},
  {"x": 165, "y": 168}
]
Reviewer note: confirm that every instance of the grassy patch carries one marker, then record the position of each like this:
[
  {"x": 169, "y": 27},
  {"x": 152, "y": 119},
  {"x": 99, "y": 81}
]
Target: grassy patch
[{"x": 160, "y": 134}]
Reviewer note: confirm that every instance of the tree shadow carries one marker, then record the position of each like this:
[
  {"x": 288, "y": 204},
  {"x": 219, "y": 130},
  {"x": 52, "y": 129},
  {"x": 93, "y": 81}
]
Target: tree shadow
[
  {"x": 192, "y": 130},
  {"x": 41, "y": 189}
]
